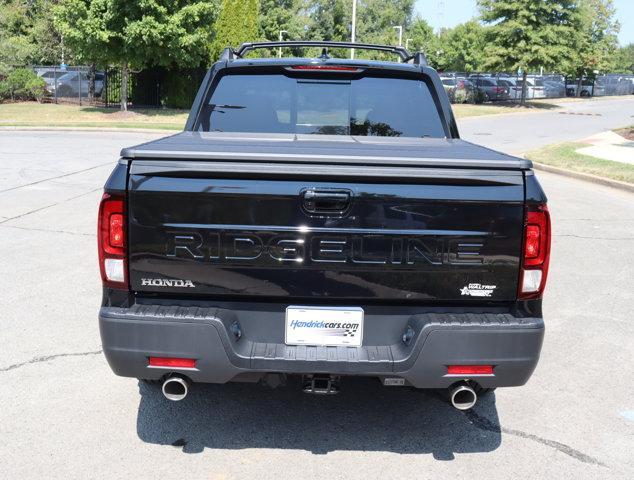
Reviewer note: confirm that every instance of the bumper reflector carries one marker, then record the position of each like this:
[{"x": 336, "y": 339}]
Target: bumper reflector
[
  {"x": 470, "y": 370},
  {"x": 172, "y": 362}
]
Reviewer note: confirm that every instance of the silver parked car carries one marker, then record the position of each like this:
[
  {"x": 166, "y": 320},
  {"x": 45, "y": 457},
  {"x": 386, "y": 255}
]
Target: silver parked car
[{"x": 74, "y": 84}]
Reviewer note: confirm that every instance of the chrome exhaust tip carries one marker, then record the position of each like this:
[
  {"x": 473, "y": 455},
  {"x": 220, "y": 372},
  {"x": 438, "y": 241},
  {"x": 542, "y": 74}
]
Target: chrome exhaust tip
[
  {"x": 175, "y": 388},
  {"x": 463, "y": 396}
]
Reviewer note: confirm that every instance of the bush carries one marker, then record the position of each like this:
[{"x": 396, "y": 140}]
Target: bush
[
  {"x": 460, "y": 95},
  {"x": 22, "y": 84},
  {"x": 479, "y": 96}
]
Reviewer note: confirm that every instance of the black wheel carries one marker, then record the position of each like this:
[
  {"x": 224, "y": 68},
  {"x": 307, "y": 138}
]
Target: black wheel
[{"x": 585, "y": 93}]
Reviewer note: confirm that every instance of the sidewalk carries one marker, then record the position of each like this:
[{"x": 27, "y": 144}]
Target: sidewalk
[{"x": 609, "y": 146}]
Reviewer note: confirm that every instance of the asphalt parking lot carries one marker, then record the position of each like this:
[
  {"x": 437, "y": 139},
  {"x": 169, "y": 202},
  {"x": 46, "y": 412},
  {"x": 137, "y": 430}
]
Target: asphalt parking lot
[{"x": 65, "y": 415}]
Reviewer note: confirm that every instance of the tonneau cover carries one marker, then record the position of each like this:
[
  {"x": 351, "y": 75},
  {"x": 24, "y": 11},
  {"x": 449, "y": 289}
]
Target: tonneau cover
[{"x": 334, "y": 150}]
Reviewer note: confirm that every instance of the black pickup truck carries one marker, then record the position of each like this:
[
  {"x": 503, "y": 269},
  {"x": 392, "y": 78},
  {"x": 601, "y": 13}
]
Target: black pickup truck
[{"x": 321, "y": 218}]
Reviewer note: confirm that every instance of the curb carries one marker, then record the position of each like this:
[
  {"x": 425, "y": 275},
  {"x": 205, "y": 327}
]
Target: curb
[
  {"x": 628, "y": 187},
  {"x": 87, "y": 129}
]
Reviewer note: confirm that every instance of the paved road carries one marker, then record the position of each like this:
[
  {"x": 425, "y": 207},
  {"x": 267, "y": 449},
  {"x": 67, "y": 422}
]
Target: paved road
[
  {"x": 518, "y": 133},
  {"x": 65, "y": 415}
]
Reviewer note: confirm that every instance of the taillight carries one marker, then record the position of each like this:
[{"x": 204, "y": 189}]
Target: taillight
[
  {"x": 111, "y": 239},
  {"x": 536, "y": 252},
  {"x": 327, "y": 68}
]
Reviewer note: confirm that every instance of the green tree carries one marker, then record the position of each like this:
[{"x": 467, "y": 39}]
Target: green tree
[
  {"x": 596, "y": 42},
  {"x": 286, "y": 15},
  {"x": 624, "y": 59},
  {"x": 329, "y": 20},
  {"x": 27, "y": 33},
  {"x": 529, "y": 34},
  {"x": 236, "y": 24},
  {"x": 137, "y": 34},
  {"x": 423, "y": 39},
  {"x": 376, "y": 20},
  {"x": 463, "y": 46}
]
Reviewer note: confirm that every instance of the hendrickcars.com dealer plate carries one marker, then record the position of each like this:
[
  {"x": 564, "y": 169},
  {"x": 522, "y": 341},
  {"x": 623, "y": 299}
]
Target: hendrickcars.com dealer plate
[{"x": 324, "y": 326}]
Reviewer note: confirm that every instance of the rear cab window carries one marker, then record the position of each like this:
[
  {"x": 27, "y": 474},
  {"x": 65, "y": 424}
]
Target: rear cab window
[{"x": 279, "y": 103}]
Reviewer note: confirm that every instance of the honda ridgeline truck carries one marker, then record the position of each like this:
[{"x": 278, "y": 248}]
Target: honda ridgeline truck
[{"x": 321, "y": 218}]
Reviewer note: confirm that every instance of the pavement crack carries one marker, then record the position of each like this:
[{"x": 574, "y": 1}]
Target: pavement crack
[
  {"x": 590, "y": 237},
  {"x": 483, "y": 423},
  {"x": 46, "y": 358},
  {"x": 49, "y": 206},
  {"x": 55, "y": 178},
  {"x": 50, "y": 231}
]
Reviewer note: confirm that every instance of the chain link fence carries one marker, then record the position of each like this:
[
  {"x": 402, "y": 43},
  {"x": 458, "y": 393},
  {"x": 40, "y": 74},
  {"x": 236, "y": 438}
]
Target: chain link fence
[
  {"x": 160, "y": 88},
  {"x": 463, "y": 87},
  {"x": 150, "y": 88}
]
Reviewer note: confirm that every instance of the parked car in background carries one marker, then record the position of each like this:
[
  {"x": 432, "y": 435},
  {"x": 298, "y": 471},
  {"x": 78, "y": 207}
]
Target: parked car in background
[
  {"x": 613, "y": 85},
  {"x": 572, "y": 85},
  {"x": 510, "y": 83},
  {"x": 490, "y": 88},
  {"x": 535, "y": 87},
  {"x": 459, "y": 90},
  {"x": 554, "y": 88},
  {"x": 75, "y": 84},
  {"x": 50, "y": 74}
]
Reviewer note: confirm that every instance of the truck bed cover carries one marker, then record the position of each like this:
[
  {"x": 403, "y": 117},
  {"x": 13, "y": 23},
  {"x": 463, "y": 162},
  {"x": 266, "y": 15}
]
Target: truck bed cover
[{"x": 325, "y": 149}]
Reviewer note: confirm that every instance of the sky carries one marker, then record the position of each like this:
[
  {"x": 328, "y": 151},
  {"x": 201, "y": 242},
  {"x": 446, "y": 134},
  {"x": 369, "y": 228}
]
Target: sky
[{"x": 448, "y": 13}]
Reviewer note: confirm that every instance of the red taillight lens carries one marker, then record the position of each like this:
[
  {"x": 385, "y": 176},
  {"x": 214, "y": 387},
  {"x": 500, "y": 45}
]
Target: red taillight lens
[
  {"x": 327, "y": 68},
  {"x": 470, "y": 370},
  {"x": 111, "y": 239},
  {"x": 536, "y": 252},
  {"x": 172, "y": 362}
]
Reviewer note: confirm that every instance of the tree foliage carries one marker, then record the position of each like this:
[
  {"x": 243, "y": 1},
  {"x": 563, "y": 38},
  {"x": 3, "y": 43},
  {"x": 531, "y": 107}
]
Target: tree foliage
[
  {"x": 624, "y": 59},
  {"x": 140, "y": 34},
  {"x": 596, "y": 39},
  {"x": 529, "y": 34},
  {"x": 27, "y": 33},
  {"x": 462, "y": 47},
  {"x": 282, "y": 15},
  {"x": 376, "y": 19},
  {"x": 236, "y": 24}
]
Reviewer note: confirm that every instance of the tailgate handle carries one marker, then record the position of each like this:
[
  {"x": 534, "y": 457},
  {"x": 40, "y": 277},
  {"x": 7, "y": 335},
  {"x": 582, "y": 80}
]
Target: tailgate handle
[{"x": 326, "y": 201}]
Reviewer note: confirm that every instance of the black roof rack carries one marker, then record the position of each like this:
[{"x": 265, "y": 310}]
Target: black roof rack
[{"x": 418, "y": 58}]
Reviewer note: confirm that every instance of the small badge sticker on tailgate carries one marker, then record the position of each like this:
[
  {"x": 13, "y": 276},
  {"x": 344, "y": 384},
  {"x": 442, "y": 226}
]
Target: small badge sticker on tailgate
[
  {"x": 324, "y": 326},
  {"x": 478, "y": 290}
]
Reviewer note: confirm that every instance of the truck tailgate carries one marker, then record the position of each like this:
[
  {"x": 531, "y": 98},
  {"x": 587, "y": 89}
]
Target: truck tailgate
[{"x": 444, "y": 234}]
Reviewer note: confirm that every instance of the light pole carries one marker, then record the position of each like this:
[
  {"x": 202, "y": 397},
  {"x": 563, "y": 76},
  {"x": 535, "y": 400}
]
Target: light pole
[
  {"x": 279, "y": 50},
  {"x": 407, "y": 43},
  {"x": 354, "y": 25},
  {"x": 400, "y": 34}
]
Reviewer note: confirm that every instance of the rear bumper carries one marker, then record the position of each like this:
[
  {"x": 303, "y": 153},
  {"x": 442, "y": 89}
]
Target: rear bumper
[{"x": 131, "y": 335}]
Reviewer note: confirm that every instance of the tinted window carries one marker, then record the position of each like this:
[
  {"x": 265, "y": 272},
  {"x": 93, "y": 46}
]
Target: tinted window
[{"x": 279, "y": 104}]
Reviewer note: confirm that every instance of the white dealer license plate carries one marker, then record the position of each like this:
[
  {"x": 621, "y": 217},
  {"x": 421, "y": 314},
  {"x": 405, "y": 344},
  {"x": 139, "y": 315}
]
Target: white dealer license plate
[{"x": 325, "y": 326}]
